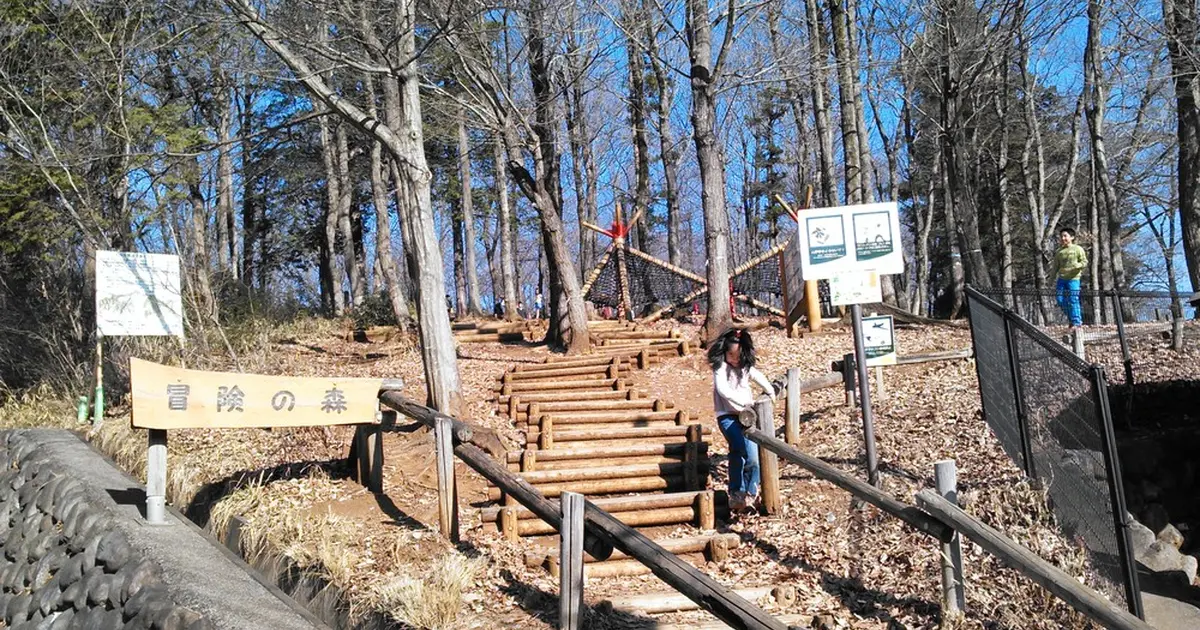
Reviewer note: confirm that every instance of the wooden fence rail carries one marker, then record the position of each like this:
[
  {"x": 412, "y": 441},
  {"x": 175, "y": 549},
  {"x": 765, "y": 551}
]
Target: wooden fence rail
[
  {"x": 908, "y": 513},
  {"x": 1055, "y": 580}
]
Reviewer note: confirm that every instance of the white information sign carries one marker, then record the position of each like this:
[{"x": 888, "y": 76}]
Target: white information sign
[
  {"x": 879, "y": 340},
  {"x": 138, "y": 294},
  {"x": 861, "y": 238},
  {"x": 855, "y": 288}
]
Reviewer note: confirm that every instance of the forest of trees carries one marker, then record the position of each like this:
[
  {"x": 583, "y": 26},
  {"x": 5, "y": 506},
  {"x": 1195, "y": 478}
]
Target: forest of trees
[{"x": 352, "y": 157}]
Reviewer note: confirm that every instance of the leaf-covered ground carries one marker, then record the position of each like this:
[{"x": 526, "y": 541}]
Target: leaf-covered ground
[{"x": 855, "y": 568}]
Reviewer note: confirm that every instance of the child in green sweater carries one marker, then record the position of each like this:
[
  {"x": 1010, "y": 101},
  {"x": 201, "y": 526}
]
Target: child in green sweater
[{"x": 1069, "y": 261}]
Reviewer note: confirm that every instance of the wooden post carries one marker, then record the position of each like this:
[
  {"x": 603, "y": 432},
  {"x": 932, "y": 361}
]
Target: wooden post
[
  {"x": 1077, "y": 344},
  {"x": 156, "y": 477},
  {"x": 812, "y": 302},
  {"x": 879, "y": 388},
  {"x": 706, "y": 510},
  {"x": 509, "y": 523},
  {"x": 691, "y": 458},
  {"x": 546, "y": 437},
  {"x": 850, "y": 379},
  {"x": 98, "y": 400},
  {"x": 447, "y": 483},
  {"x": 768, "y": 461},
  {"x": 954, "y": 601},
  {"x": 570, "y": 571},
  {"x": 792, "y": 408}
]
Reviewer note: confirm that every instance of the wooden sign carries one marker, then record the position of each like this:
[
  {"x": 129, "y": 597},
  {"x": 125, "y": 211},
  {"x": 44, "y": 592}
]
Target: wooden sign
[
  {"x": 166, "y": 397},
  {"x": 879, "y": 340},
  {"x": 845, "y": 239}
]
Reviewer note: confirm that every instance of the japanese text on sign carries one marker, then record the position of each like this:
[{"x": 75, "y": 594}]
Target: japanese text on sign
[
  {"x": 167, "y": 397},
  {"x": 879, "y": 340}
]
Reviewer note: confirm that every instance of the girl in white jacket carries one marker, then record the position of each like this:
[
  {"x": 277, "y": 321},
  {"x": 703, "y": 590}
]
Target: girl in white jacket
[{"x": 732, "y": 359}]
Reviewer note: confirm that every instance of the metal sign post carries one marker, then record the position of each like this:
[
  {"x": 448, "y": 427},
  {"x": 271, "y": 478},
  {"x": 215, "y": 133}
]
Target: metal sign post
[{"x": 864, "y": 395}]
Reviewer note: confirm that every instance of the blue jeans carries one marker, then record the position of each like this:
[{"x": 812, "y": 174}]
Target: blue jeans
[
  {"x": 743, "y": 457},
  {"x": 1068, "y": 300}
]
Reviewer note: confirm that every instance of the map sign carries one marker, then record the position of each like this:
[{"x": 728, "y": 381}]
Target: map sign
[
  {"x": 166, "y": 397},
  {"x": 138, "y": 294},
  {"x": 846, "y": 239},
  {"x": 855, "y": 288},
  {"x": 879, "y": 340}
]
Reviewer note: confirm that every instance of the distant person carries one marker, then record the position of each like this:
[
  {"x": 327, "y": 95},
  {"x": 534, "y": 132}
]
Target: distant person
[
  {"x": 498, "y": 308},
  {"x": 538, "y": 305},
  {"x": 521, "y": 309},
  {"x": 732, "y": 359},
  {"x": 1069, "y": 261},
  {"x": 449, "y": 306}
]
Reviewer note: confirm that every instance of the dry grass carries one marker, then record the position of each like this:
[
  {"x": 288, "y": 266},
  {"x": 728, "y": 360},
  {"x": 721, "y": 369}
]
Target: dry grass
[
  {"x": 431, "y": 600},
  {"x": 39, "y": 407}
]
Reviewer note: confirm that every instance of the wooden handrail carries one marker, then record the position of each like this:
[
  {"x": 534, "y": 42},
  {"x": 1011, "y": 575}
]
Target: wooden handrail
[
  {"x": 1055, "y": 580},
  {"x": 908, "y": 513}
]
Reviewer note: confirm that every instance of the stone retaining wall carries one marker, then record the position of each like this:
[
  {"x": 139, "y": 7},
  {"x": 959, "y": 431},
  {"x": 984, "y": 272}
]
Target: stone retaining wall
[{"x": 64, "y": 564}]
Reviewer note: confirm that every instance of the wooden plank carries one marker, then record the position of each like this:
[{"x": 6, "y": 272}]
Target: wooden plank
[
  {"x": 603, "y": 486},
  {"x": 570, "y": 584},
  {"x": 683, "y": 577},
  {"x": 591, "y": 463},
  {"x": 579, "y": 373},
  {"x": 614, "y": 505},
  {"x": 167, "y": 397},
  {"x": 691, "y": 544},
  {"x": 604, "y": 472},
  {"x": 908, "y": 513},
  {"x": 592, "y": 452},
  {"x": 639, "y": 518},
  {"x": 1029, "y": 564},
  {"x": 623, "y": 433},
  {"x": 586, "y": 384}
]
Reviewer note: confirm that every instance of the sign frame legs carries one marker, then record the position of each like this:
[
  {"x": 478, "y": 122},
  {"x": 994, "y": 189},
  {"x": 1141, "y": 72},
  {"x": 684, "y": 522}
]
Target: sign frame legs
[
  {"x": 156, "y": 477},
  {"x": 864, "y": 393}
]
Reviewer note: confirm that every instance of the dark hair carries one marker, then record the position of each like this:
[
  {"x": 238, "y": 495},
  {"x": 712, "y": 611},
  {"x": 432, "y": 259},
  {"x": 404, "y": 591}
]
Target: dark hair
[
  {"x": 1068, "y": 230},
  {"x": 716, "y": 350}
]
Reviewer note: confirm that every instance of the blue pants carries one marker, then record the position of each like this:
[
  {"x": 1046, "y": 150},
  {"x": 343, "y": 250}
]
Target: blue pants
[
  {"x": 1068, "y": 300},
  {"x": 743, "y": 457}
]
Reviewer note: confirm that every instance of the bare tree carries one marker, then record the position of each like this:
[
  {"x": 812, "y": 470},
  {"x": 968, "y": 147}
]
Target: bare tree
[{"x": 474, "y": 305}]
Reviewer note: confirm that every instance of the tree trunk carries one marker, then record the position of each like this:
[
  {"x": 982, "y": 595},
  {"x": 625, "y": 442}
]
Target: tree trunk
[
  {"x": 333, "y": 204},
  {"x": 568, "y": 316},
  {"x": 389, "y": 278},
  {"x": 249, "y": 195},
  {"x": 712, "y": 169},
  {"x": 577, "y": 135},
  {"x": 637, "y": 125},
  {"x": 865, "y": 161},
  {"x": 845, "y": 74},
  {"x": 505, "y": 222},
  {"x": 226, "y": 228},
  {"x": 1180, "y": 21},
  {"x": 816, "y": 44},
  {"x": 460, "y": 283},
  {"x": 354, "y": 265},
  {"x": 474, "y": 305},
  {"x": 668, "y": 152},
  {"x": 1111, "y": 217}
]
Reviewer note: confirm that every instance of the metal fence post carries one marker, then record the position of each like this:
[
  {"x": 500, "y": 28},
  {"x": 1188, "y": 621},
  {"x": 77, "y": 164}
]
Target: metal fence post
[
  {"x": 1112, "y": 464},
  {"x": 570, "y": 562},
  {"x": 1126, "y": 357},
  {"x": 156, "y": 477},
  {"x": 1014, "y": 367},
  {"x": 954, "y": 600}
]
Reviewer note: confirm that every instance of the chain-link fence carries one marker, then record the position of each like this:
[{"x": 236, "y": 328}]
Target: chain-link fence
[{"x": 1049, "y": 409}]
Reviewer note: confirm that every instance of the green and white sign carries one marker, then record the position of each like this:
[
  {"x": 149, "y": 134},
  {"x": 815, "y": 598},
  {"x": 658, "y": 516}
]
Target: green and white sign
[
  {"x": 864, "y": 238},
  {"x": 879, "y": 340}
]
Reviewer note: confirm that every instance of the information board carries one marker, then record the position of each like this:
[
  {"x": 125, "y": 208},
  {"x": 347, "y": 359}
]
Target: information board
[
  {"x": 138, "y": 294},
  {"x": 855, "y": 288},
  {"x": 848, "y": 239}
]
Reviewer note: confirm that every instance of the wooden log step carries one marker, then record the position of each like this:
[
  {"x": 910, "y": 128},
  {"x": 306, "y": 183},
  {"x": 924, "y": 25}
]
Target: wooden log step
[
  {"x": 611, "y": 323},
  {"x": 783, "y": 596},
  {"x": 457, "y": 326},
  {"x": 629, "y": 394},
  {"x": 604, "y": 486},
  {"x": 591, "y": 452},
  {"x": 635, "y": 415},
  {"x": 486, "y": 337},
  {"x": 621, "y": 568},
  {"x": 538, "y": 477},
  {"x": 578, "y": 373},
  {"x": 598, "y": 463},
  {"x": 615, "y": 433},
  {"x": 591, "y": 384},
  {"x": 715, "y": 546},
  {"x": 611, "y": 505},
  {"x": 639, "y": 518},
  {"x": 799, "y": 620},
  {"x": 568, "y": 362},
  {"x": 558, "y": 408},
  {"x": 641, "y": 334},
  {"x": 533, "y": 434}
]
